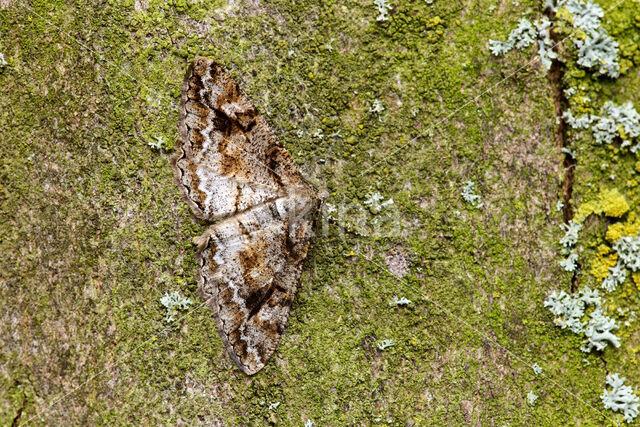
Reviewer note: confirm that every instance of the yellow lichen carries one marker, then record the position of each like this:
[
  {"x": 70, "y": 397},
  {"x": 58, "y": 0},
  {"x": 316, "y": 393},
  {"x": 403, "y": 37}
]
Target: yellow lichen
[
  {"x": 603, "y": 261},
  {"x": 564, "y": 14},
  {"x": 613, "y": 203},
  {"x": 584, "y": 210},
  {"x": 628, "y": 289},
  {"x": 628, "y": 228},
  {"x": 636, "y": 279},
  {"x": 609, "y": 202}
]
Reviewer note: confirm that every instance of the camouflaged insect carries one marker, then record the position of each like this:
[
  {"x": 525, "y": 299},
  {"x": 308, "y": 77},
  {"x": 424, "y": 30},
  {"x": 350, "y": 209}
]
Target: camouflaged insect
[{"x": 235, "y": 174}]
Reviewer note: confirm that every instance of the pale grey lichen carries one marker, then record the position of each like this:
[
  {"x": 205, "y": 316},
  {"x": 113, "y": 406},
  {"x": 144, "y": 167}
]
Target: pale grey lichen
[
  {"x": 3, "y": 62},
  {"x": 599, "y": 50},
  {"x": 469, "y": 196},
  {"x": 551, "y": 4},
  {"x": 596, "y": 49},
  {"x": 617, "y": 276},
  {"x": 384, "y": 344},
  {"x": 545, "y": 43},
  {"x": 628, "y": 249},
  {"x": 568, "y": 241},
  {"x": 569, "y": 311},
  {"x": 376, "y": 107},
  {"x": 590, "y": 296},
  {"x": 273, "y": 406},
  {"x": 570, "y": 91},
  {"x": 373, "y": 199},
  {"x": 532, "y": 397},
  {"x": 569, "y": 151},
  {"x": 318, "y": 134},
  {"x": 383, "y": 9},
  {"x": 620, "y": 398},
  {"x": 401, "y": 301},
  {"x": 158, "y": 144},
  {"x": 498, "y": 48},
  {"x": 524, "y": 35},
  {"x": 598, "y": 332},
  {"x": 521, "y": 37},
  {"x": 537, "y": 369},
  {"x": 580, "y": 122},
  {"x": 174, "y": 302},
  {"x": 604, "y": 130},
  {"x": 571, "y": 230},
  {"x": 570, "y": 263},
  {"x": 616, "y": 121},
  {"x": 624, "y": 115},
  {"x": 330, "y": 210},
  {"x": 559, "y": 205},
  {"x": 374, "y": 202},
  {"x": 586, "y": 15}
]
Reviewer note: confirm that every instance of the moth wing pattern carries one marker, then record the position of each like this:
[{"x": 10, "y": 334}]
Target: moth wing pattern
[
  {"x": 250, "y": 266},
  {"x": 228, "y": 158},
  {"x": 234, "y": 173}
]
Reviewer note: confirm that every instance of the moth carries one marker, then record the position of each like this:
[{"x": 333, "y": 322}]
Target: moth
[{"x": 235, "y": 175}]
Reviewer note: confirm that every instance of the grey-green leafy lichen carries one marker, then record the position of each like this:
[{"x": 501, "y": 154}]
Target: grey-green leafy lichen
[{"x": 95, "y": 233}]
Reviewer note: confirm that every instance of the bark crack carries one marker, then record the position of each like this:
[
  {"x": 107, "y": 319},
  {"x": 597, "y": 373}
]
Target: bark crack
[
  {"x": 16, "y": 419},
  {"x": 561, "y": 104}
]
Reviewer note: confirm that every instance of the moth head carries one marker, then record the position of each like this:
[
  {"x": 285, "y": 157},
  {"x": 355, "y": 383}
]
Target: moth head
[{"x": 200, "y": 65}]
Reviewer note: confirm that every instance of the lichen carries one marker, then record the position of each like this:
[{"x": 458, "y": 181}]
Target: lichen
[
  {"x": 585, "y": 15},
  {"x": 383, "y": 7},
  {"x": 524, "y": 35},
  {"x": 385, "y": 344},
  {"x": 630, "y": 227},
  {"x": 174, "y": 302},
  {"x": 609, "y": 202},
  {"x": 570, "y": 263},
  {"x": 602, "y": 262},
  {"x": 537, "y": 369},
  {"x": 595, "y": 47},
  {"x": 615, "y": 121},
  {"x": 400, "y": 301},
  {"x": 571, "y": 230},
  {"x": 569, "y": 311},
  {"x": 628, "y": 249},
  {"x": 598, "y": 50},
  {"x": 469, "y": 196},
  {"x": 616, "y": 276},
  {"x": 620, "y": 398}
]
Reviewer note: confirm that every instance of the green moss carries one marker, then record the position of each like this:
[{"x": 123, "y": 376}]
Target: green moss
[{"x": 96, "y": 233}]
